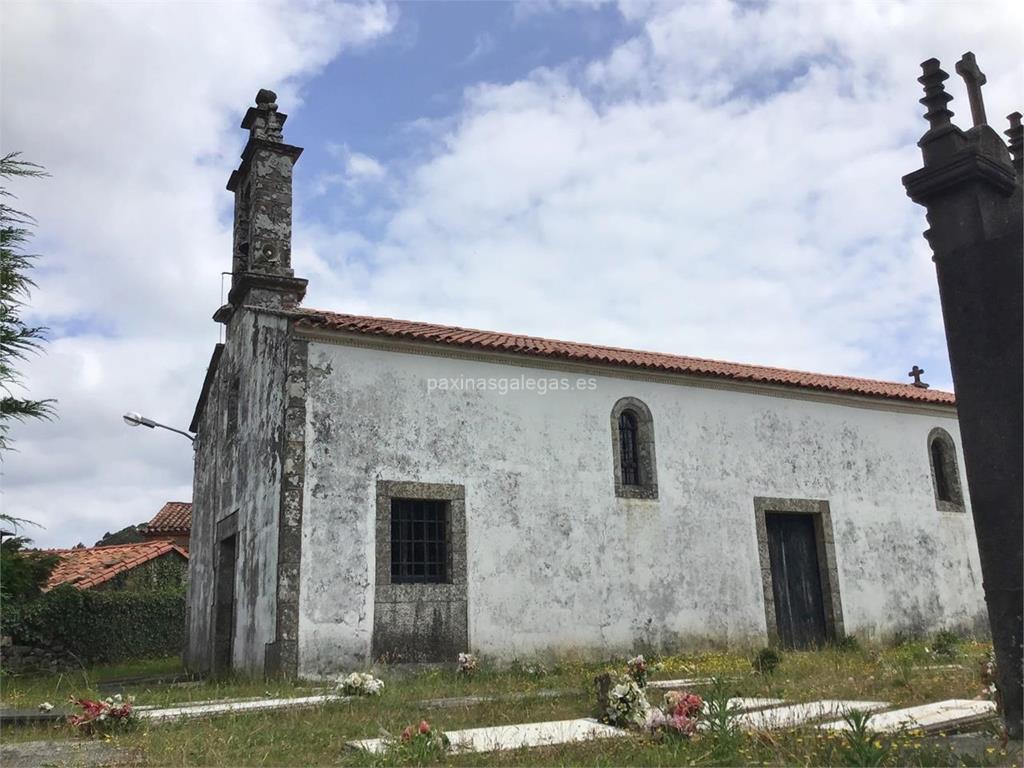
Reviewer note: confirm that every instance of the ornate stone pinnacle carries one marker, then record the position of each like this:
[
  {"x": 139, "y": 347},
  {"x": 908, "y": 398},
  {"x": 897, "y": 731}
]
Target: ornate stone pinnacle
[
  {"x": 935, "y": 96},
  {"x": 1016, "y": 134},
  {"x": 974, "y": 78},
  {"x": 266, "y": 99},
  {"x": 264, "y": 121}
]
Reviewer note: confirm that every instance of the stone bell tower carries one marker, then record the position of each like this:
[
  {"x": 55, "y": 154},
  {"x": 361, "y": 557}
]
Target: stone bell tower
[
  {"x": 261, "y": 266},
  {"x": 971, "y": 186}
]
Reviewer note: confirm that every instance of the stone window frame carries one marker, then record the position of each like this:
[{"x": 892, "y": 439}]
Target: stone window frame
[
  {"x": 828, "y": 571},
  {"x": 452, "y": 590},
  {"x": 648, "y": 487},
  {"x": 951, "y": 470}
]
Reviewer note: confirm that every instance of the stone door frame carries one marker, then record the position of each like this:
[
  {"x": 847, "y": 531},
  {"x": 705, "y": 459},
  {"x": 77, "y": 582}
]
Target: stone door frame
[
  {"x": 827, "y": 569},
  {"x": 225, "y": 583}
]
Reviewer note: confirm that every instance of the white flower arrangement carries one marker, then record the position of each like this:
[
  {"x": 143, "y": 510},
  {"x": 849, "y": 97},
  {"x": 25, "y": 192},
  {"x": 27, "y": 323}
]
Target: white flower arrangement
[
  {"x": 467, "y": 664},
  {"x": 361, "y": 684},
  {"x": 45, "y": 707},
  {"x": 627, "y": 705}
]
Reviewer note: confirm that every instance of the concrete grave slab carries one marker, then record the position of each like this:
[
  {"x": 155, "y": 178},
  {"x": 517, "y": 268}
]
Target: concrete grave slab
[
  {"x": 753, "y": 704},
  {"x": 507, "y": 737},
  {"x": 233, "y": 700},
  {"x": 930, "y": 718},
  {"x": 798, "y": 714},
  {"x": 682, "y": 683},
  {"x": 469, "y": 701},
  {"x": 235, "y": 707}
]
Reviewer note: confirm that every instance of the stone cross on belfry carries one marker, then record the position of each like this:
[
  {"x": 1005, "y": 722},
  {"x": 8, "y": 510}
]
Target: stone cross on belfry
[
  {"x": 916, "y": 373},
  {"x": 967, "y": 68}
]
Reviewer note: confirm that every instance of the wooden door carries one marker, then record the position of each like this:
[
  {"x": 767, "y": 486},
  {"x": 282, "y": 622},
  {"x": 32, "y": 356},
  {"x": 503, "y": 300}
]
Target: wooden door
[
  {"x": 224, "y": 605},
  {"x": 796, "y": 580}
]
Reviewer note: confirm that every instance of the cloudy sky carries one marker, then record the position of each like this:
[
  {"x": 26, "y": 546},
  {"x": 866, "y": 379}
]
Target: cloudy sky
[{"x": 715, "y": 179}]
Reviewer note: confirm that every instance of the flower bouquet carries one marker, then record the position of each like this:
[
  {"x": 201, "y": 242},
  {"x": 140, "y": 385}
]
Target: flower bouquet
[
  {"x": 422, "y": 743},
  {"x": 678, "y": 716},
  {"x": 637, "y": 669},
  {"x": 103, "y": 715},
  {"x": 627, "y": 705},
  {"x": 467, "y": 664},
  {"x": 361, "y": 684}
]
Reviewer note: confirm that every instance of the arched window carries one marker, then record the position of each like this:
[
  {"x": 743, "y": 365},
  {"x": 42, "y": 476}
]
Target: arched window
[
  {"x": 945, "y": 472},
  {"x": 635, "y": 468},
  {"x": 629, "y": 457}
]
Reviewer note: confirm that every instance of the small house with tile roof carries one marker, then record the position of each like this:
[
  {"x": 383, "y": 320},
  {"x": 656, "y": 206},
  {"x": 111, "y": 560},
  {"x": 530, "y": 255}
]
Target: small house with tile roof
[
  {"x": 371, "y": 489},
  {"x": 173, "y": 522},
  {"x": 139, "y": 566}
]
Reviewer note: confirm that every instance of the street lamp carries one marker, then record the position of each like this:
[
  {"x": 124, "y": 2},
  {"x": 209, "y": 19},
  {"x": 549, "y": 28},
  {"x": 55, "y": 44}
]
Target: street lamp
[{"x": 133, "y": 419}]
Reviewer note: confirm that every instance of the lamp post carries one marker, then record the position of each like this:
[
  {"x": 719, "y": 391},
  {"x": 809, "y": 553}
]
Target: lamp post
[{"x": 133, "y": 419}]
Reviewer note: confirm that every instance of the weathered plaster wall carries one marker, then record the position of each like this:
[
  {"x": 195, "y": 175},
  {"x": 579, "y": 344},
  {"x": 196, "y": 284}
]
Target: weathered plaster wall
[
  {"x": 556, "y": 561},
  {"x": 238, "y": 468}
]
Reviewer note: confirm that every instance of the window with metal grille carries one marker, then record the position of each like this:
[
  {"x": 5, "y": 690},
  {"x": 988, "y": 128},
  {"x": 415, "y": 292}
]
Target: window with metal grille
[
  {"x": 940, "y": 463},
  {"x": 419, "y": 541},
  {"x": 628, "y": 453}
]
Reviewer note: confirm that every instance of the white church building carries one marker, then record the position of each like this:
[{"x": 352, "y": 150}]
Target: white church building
[{"x": 375, "y": 489}]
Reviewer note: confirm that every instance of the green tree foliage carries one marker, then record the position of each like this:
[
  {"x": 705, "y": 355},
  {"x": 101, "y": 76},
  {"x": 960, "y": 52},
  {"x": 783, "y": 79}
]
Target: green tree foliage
[
  {"x": 23, "y": 574},
  {"x": 17, "y": 338},
  {"x": 130, "y": 534}
]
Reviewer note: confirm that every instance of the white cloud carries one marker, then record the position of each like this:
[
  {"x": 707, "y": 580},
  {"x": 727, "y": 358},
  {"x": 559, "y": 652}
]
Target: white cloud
[
  {"x": 363, "y": 167},
  {"x": 483, "y": 44},
  {"x": 134, "y": 109},
  {"x": 726, "y": 184},
  {"x": 357, "y": 169}
]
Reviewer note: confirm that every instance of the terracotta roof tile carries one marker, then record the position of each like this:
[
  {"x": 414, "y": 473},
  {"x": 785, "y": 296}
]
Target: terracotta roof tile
[
  {"x": 85, "y": 568},
  {"x": 590, "y": 353},
  {"x": 174, "y": 518}
]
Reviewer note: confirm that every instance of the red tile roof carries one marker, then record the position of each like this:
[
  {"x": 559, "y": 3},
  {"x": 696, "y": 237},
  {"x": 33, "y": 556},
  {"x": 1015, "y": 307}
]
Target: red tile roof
[
  {"x": 533, "y": 346},
  {"x": 89, "y": 567},
  {"x": 174, "y": 518}
]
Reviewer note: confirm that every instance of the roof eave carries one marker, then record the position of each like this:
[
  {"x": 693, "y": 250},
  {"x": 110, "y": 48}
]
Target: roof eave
[{"x": 407, "y": 344}]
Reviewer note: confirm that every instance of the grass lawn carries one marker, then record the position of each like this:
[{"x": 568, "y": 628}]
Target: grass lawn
[{"x": 903, "y": 675}]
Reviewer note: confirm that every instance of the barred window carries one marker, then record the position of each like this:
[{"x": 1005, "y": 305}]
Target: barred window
[
  {"x": 949, "y": 496},
  {"x": 419, "y": 541},
  {"x": 628, "y": 453},
  {"x": 635, "y": 467}
]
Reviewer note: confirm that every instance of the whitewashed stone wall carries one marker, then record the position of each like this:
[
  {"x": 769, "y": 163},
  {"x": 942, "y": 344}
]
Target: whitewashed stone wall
[
  {"x": 238, "y": 470},
  {"x": 557, "y": 563}
]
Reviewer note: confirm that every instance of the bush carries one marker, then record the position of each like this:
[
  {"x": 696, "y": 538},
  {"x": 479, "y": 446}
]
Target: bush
[
  {"x": 766, "y": 660},
  {"x": 721, "y": 727},
  {"x": 946, "y": 644},
  {"x": 848, "y": 644},
  {"x": 23, "y": 573},
  {"x": 861, "y": 747},
  {"x": 97, "y": 626}
]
